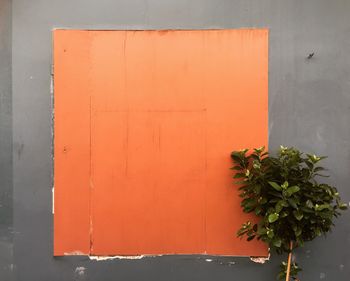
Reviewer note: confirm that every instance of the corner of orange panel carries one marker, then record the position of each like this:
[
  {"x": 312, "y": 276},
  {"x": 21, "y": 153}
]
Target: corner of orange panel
[{"x": 57, "y": 32}]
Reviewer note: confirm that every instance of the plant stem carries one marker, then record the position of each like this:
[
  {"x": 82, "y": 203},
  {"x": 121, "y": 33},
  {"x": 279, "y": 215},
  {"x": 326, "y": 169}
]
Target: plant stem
[{"x": 289, "y": 260}]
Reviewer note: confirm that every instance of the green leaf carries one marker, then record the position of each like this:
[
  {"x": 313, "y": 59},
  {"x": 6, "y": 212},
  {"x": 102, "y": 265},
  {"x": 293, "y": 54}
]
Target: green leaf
[
  {"x": 292, "y": 203},
  {"x": 277, "y": 242},
  {"x": 298, "y": 215},
  {"x": 298, "y": 232},
  {"x": 273, "y": 217},
  {"x": 248, "y": 209},
  {"x": 250, "y": 238},
  {"x": 243, "y": 187},
  {"x": 241, "y": 232},
  {"x": 278, "y": 207},
  {"x": 343, "y": 206},
  {"x": 307, "y": 210},
  {"x": 322, "y": 207},
  {"x": 291, "y": 190},
  {"x": 275, "y": 193},
  {"x": 275, "y": 186},
  {"x": 237, "y": 168},
  {"x": 280, "y": 204},
  {"x": 259, "y": 150},
  {"x": 249, "y": 202},
  {"x": 262, "y": 231},
  {"x": 270, "y": 233},
  {"x": 239, "y": 175},
  {"x": 241, "y": 182},
  {"x": 258, "y": 210},
  {"x": 284, "y": 185},
  {"x": 318, "y": 232},
  {"x": 284, "y": 214},
  {"x": 317, "y": 169},
  {"x": 309, "y": 204},
  {"x": 257, "y": 189},
  {"x": 281, "y": 275}
]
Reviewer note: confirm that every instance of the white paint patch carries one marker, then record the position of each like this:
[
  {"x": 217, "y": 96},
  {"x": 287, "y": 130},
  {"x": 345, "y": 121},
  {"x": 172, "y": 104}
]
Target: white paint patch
[
  {"x": 322, "y": 275},
  {"x": 107, "y": 258},
  {"x": 74, "y": 253},
  {"x": 208, "y": 260},
  {"x": 260, "y": 260},
  {"x": 80, "y": 270}
]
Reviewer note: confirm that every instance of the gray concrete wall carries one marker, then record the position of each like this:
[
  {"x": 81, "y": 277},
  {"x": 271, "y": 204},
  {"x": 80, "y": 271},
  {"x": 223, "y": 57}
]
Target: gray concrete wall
[
  {"x": 309, "y": 107},
  {"x": 6, "y": 233}
]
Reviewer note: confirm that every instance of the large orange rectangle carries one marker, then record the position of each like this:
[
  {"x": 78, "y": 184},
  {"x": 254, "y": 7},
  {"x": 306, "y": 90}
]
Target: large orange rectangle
[{"x": 144, "y": 125}]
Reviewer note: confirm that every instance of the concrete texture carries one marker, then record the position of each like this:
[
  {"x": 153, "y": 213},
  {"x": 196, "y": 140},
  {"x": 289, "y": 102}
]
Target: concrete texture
[
  {"x": 6, "y": 233},
  {"x": 309, "y": 107}
]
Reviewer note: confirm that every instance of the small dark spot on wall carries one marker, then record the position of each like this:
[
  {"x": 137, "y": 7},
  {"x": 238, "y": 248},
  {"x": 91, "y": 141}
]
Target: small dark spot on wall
[
  {"x": 18, "y": 147},
  {"x": 310, "y": 56}
]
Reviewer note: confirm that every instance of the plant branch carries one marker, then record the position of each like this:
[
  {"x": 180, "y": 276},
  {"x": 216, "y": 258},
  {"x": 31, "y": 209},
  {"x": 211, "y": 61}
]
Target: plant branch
[{"x": 289, "y": 260}]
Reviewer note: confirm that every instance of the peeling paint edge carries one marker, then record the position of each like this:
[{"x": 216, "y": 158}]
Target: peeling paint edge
[
  {"x": 257, "y": 259},
  {"x": 107, "y": 258},
  {"x": 141, "y": 28},
  {"x": 207, "y": 258},
  {"x": 261, "y": 260},
  {"x": 74, "y": 253}
]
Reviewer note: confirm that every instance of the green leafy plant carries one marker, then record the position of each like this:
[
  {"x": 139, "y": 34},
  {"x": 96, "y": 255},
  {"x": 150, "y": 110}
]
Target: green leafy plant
[{"x": 285, "y": 195}]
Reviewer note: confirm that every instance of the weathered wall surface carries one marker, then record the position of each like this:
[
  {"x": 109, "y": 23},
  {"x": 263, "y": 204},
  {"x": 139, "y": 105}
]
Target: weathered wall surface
[
  {"x": 6, "y": 233},
  {"x": 309, "y": 107}
]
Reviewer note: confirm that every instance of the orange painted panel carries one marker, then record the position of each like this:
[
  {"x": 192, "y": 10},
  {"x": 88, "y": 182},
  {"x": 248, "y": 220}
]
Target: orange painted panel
[
  {"x": 160, "y": 113},
  {"x": 71, "y": 144}
]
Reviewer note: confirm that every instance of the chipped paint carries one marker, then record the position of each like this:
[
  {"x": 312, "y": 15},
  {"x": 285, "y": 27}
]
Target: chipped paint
[
  {"x": 74, "y": 253},
  {"x": 107, "y": 258},
  {"x": 261, "y": 260}
]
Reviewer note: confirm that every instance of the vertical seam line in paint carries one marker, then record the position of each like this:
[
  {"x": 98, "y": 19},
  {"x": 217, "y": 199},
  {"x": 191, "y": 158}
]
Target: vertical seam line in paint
[
  {"x": 127, "y": 104},
  {"x": 90, "y": 154},
  {"x": 205, "y": 155}
]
